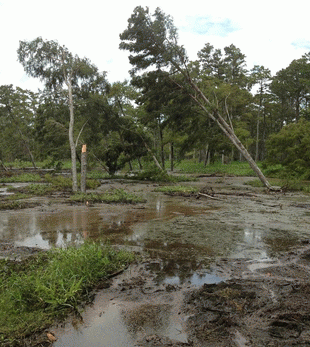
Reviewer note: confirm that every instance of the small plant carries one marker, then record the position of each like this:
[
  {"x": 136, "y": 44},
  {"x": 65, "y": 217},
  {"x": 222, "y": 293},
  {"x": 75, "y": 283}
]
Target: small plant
[
  {"x": 48, "y": 286},
  {"x": 38, "y": 189},
  {"x": 14, "y": 205},
  {"x": 112, "y": 196},
  {"x": 59, "y": 182},
  {"x": 177, "y": 189},
  {"x": 25, "y": 177},
  {"x": 96, "y": 174}
]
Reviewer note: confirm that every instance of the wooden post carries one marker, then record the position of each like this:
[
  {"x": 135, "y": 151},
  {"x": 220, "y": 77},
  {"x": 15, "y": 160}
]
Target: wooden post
[{"x": 83, "y": 169}]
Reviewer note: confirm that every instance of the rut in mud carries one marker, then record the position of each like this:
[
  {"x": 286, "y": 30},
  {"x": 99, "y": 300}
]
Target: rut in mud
[{"x": 266, "y": 307}]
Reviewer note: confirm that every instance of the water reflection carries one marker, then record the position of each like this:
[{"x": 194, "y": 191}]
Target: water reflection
[
  {"x": 263, "y": 245},
  {"x": 168, "y": 231}
]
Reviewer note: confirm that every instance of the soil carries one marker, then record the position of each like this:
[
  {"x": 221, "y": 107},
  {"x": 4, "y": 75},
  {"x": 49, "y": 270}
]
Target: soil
[{"x": 261, "y": 302}]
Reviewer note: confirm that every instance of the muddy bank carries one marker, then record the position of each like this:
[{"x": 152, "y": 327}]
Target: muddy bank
[
  {"x": 227, "y": 269},
  {"x": 264, "y": 304},
  {"x": 258, "y": 304}
]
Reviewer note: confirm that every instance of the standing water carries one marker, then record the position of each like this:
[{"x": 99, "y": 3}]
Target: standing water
[{"x": 181, "y": 241}]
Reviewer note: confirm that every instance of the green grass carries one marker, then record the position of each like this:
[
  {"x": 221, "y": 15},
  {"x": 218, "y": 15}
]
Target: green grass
[
  {"x": 177, "y": 189},
  {"x": 285, "y": 184},
  {"x": 50, "y": 183},
  {"x": 234, "y": 168},
  {"x": 21, "y": 178},
  {"x": 44, "y": 288},
  {"x": 14, "y": 204},
  {"x": 98, "y": 174},
  {"x": 112, "y": 196},
  {"x": 155, "y": 175}
]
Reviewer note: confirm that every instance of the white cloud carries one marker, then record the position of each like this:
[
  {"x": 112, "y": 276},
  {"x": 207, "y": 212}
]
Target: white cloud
[{"x": 270, "y": 33}]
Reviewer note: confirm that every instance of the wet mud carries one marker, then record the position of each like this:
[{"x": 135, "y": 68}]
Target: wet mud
[{"x": 228, "y": 268}]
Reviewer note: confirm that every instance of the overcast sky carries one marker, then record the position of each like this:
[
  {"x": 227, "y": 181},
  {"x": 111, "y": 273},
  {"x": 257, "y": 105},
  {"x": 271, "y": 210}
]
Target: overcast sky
[{"x": 270, "y": 33}]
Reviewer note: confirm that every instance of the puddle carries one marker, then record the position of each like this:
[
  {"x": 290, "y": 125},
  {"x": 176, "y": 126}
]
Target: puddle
[
  {"x": 119, "y": 318},
  {"x": 4, "y": 191},
  {"x": 180, "y": 240},
  {"x": 104, "y": 329},
  {"x": 113, "y": 324}
]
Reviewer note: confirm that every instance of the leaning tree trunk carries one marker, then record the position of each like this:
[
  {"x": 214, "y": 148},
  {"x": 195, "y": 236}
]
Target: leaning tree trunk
[
  {"x": 228, "y": 131},
  {"x": 71, "y": 138}
]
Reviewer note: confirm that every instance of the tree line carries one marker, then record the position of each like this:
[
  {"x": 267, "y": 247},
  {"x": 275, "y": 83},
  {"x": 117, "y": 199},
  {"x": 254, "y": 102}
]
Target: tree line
[{"x": 171, "y": 106}]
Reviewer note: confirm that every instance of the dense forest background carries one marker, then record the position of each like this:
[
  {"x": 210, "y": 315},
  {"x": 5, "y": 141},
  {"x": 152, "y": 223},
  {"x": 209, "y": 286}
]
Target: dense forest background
[{"x": 150, "y": 119}]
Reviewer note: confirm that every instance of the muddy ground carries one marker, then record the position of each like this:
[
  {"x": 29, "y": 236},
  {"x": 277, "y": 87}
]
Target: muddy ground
[{"x": 263, "y": 300}]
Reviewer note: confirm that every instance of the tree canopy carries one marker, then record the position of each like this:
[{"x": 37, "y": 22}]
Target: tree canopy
[{"x": 171, "y": 106}]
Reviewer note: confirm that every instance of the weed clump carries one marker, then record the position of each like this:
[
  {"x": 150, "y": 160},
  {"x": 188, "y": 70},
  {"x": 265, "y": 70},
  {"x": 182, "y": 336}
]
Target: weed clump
[
  {"x": 112, "y": 196},
  {"x": 50, "y": 285},
  {"x": 177, "y": 189}
]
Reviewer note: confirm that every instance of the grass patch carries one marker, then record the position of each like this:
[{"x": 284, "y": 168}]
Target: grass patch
[
  {"x": 47, "y": 287},
  {"x": 155, "y": 175},
  {"x": 98, "y": 175},
  {"x": 177, "y": 189},
  {"x": 16, "y": 196},
  {"x": 235, "y": 168},
  {"x": 285, "y": 184},
  {"x": 21, "y": 178},
  {"x": 112, "y": 196},
  {"x": 52, "y": 183},
  {"x": 16, "y": 205},
  {"x": 37, "y": 189}
]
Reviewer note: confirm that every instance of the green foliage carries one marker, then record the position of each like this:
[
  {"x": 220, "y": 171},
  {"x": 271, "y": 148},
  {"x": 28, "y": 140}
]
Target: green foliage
[
  {"x": 35, "y": 292},
  {"x": 10, "y": 204},
  {"x": 38, "y": 189},
  {"x": 58, "y": 182},
  {"x": 112, "y": 196},
  {"x": 155, "y": 175},
  {"x": 21, "y": 178},
  {"x": 177, "y": 189},
  {"x": 97, "y": 175},
  {"x": 287, "y": 183},
  {"x": 17, "y": 109},
  {"x": 234, "y": 168},
  {"x": 291, "y": 148},
  {"x": 152, "y": 174}
]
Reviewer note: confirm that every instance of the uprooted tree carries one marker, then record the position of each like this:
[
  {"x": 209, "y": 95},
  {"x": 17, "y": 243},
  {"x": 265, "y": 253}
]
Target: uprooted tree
[{"x": 152, "y": 41}]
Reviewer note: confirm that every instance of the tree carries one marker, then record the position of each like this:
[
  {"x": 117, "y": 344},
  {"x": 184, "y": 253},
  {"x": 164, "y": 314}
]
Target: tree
[
  {"x": 153, "y": 41},
  {"x": 17, "y": 112},
  {"x": 262, "y": 77},
  {"x": 291, "y": 148},
  {"x": 56, "y": 66},
  {"x": 234, "y": 66},
  {"x": 51, "y": 126},
  {"x": 291, "y": 86}
]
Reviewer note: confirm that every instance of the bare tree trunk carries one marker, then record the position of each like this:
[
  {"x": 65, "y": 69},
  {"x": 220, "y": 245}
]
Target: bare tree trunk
[
  {"x": 162, "y": 154},
  {"x": 130, "y": 165},
  {"x": 207, "y": 156},
  {"x": 2, "y": 164},
  {"x": 152, "y": 154},
  {"x": 171, "y": 156},
  {"x": 257, "y": 140},
  {"x": 83, "y": 169},
  {"x": 71, "y": 138},
  {"x": 140, "y": 164}
]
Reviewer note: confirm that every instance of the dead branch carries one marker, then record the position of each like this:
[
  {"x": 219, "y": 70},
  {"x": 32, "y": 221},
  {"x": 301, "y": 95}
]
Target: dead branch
[{"x": 210, "y": 196}]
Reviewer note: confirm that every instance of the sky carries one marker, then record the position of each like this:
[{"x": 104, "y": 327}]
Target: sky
[{"x": 270, "y": 33}]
